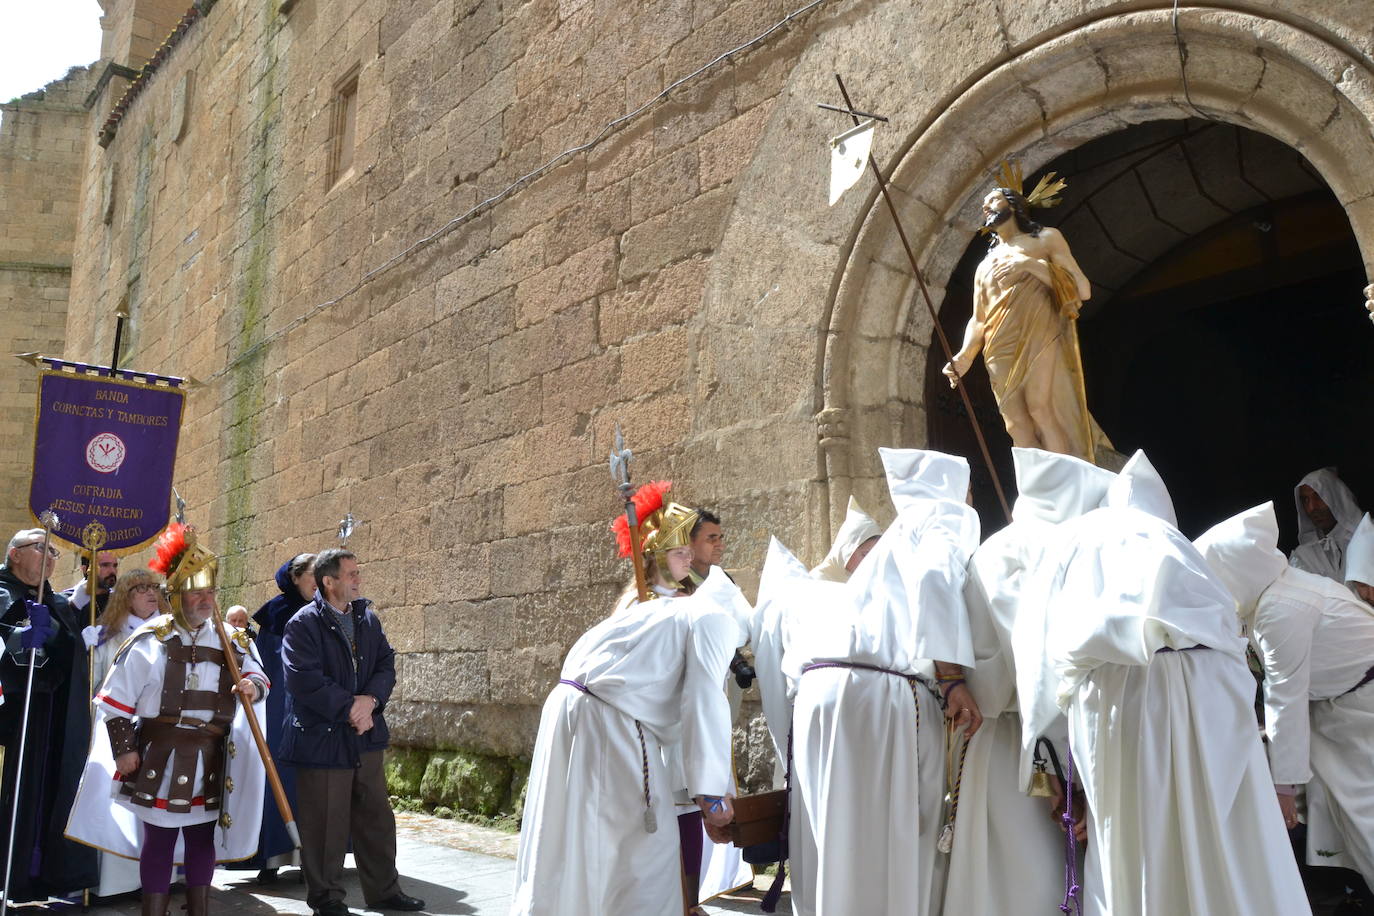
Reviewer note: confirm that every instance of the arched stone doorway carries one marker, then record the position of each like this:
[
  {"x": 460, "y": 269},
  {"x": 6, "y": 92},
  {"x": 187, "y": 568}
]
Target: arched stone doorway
[
  {"x": 1225, "y": 334},
  {"x": 1049, "y": 92}
]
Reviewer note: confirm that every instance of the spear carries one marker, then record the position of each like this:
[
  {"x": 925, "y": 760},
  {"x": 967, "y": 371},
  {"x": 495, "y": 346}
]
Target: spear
[
  {"x": 620, "y": 473},
  {"x": 49, "y": 521},
  {"x": 940, "y": 335},
  {"x": 273, "y": 779}
]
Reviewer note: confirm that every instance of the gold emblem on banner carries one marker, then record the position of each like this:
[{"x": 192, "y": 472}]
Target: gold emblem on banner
[{"x": 94, "y": 536}]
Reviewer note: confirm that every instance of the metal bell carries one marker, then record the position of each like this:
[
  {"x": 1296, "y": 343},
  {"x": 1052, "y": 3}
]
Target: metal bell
[{"x": 1040, "y": 784}]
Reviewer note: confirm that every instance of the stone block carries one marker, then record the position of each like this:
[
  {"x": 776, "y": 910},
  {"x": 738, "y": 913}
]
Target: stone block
[
  {"x": 688, "y": 229},
  {"x": 466, "y": 781},
  {"x": 566, "y": 337},
  {"x": 471, "y": 625},
  {"x": 653, "y": 362},
  {"x": 663, "y": 183},
  {"x": 405, "y": 769},
  {"x": 577, "y": 279},
  {"x": 443, "y": 677}
]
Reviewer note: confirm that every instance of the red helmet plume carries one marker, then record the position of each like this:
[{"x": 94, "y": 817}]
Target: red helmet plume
[
  {"x": 170, "y": 546},
  {"x": 648, "y": 499}
]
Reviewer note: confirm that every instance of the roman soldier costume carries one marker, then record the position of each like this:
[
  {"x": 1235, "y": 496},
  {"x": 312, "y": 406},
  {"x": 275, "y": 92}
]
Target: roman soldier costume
[{"x": 168, "y": 699}]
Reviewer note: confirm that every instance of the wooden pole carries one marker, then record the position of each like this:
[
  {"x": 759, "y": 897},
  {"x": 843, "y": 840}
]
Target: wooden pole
[
  {"x": 274, "y": 780},
  {"x": 930, "y": 307}
]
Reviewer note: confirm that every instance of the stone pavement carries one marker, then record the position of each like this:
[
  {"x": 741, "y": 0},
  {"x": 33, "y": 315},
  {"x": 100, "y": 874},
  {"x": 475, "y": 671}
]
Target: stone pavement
[{"x": 458, "y": 869}]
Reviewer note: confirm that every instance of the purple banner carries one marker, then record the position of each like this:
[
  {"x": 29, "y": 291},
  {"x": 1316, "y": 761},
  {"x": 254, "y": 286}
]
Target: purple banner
[{"x": 103, "y": 457}]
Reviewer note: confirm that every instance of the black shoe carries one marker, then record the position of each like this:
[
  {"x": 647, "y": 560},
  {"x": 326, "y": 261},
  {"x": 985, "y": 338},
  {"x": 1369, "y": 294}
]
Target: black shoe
[
  {"x": 397, "y": 902},
  {"x": 267, "y": 876},
  {"x": 332, "y": 908}
]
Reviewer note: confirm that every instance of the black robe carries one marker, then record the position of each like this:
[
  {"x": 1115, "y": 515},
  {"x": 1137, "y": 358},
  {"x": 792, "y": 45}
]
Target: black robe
[{"x": 45, "y": 861}]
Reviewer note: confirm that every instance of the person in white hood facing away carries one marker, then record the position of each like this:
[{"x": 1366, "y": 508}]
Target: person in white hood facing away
[
  {"x": 1008, "y": 855},
  {"x": 856, "y": 537},
  {"x": 867, "y": 730},
  {"x": 1316, "y": 643},
  {"x": 790, "y": 596},
  {"x": 1327, "y": 516},
  {"x": 1359, "y": 561},
  {"x": 599, "y": 835},
  {"x": 1149, "y": 666}
]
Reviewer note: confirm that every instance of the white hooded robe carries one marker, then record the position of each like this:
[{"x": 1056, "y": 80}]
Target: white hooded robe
[
  {"x": 1316, "y": 643},
  {"x": 1008, "y": 853},
  {"x": 654, "y": 668},
  {"x": 867, "y": 746},
  {"x": 1150, "y": 668},
  {"x": 1324, "y": 554}
]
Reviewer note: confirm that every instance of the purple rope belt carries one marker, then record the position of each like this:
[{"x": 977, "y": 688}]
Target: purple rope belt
[
  {"x": 650, "y": 821},
  {"x": 1072, "y": 890},
  {"x": 814, "y": 665}
]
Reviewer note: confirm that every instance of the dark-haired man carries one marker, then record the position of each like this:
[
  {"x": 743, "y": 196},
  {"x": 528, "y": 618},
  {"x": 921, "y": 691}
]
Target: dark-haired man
[
  {"x": 1327, "y": 517},
  {"x": 340, "y": 670},
  {"x": 106, "y": 574},
  {"x": 708, "y": 545}
]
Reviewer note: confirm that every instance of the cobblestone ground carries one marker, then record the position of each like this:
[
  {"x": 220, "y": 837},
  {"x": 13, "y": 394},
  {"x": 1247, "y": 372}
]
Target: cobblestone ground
[
  {"x": 458, "y": 869},
  {"x": 461, "y": 869}
]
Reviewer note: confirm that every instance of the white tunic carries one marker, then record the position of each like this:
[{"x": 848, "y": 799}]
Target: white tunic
[
  {"x": 868, "y": 761},
  {"x": 1316, "y": 642},
  {"x": 103, "y": 818},
  {"x": 1008, "y": 854},
  {"x": 654, "y": 669},
  {"x": 1152, "y": 673},
  {"x": 789, "y": 600},
  {"x": 118, "y": 875}
]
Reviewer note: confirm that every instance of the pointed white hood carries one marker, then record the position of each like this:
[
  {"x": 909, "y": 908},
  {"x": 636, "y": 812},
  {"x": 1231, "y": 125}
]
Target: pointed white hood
[
  {"x": 858, "y": 527},
  {"x": 1054, "y": 488},
  {"x": 790, "y": 600},
  {"x": 905, "y": 604},
  {"x": 1359, "y": 554},
  {"x": 1243, "y": 552},
  {"x": 1139, "y": 486},
  {"x": 719, "y": 593},
  {"x": 915, "y": 474}
]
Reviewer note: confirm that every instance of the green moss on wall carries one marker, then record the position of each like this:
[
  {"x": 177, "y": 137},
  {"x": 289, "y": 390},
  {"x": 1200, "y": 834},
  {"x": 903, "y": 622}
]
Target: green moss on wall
[{"x": 463, "y": 784}]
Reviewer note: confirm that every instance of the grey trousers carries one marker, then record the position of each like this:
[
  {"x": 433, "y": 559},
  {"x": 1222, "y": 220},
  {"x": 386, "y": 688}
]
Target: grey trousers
[{"x": 334, "y": 805}]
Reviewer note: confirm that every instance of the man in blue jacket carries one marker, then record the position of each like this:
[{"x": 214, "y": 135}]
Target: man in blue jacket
[{"x": 339, "y": 674}]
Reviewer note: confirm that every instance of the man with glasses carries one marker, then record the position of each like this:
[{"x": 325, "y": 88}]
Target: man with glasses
[{"x": 44, "y": 863}]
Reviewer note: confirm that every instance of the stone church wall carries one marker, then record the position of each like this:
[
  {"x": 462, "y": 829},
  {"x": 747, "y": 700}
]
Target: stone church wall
[
  {"x": 42, "y": 142},
  {"x": 365, "y": 228}
]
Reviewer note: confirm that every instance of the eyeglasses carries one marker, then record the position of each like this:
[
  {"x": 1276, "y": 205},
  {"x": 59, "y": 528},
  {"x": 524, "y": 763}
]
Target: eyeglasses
[
  {"x": 38, "y": 546},
  {"x": 145, "y": 587}
]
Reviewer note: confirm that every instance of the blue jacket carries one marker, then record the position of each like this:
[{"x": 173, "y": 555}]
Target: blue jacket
[{"x": 323, "y": 675}]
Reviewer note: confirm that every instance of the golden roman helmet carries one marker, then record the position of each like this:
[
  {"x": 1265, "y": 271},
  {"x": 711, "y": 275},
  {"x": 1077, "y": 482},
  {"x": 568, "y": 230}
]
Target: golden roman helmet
[
  {"x": 186, "y": 565},
  {"x": 668, "y": 528}
]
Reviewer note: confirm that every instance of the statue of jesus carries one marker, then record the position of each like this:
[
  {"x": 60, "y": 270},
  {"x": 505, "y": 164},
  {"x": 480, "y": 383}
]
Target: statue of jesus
[{"x": 1026, "y": 298}]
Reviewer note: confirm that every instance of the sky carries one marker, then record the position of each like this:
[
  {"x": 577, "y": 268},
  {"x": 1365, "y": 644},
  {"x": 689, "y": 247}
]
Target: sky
[{"x": 41, "y": 39}]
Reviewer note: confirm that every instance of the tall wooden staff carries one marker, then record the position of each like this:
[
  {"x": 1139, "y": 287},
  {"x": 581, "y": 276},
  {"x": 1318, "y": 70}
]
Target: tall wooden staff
[
  {"x": 274, "y": 780},
  {"x": 49, "y": 521},
  {"x": 925, "y": 295},
  {"x": 620, "y": 473},
  {"x": 93, "y": 538}
]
